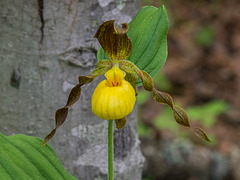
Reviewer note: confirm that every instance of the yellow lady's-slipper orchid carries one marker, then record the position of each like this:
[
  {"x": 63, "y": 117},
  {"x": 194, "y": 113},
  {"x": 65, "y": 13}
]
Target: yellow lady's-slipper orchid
[{"x": 114, "y": 97}]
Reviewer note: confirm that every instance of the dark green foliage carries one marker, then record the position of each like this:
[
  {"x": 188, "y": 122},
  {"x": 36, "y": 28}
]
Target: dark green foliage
[{"x": 22, "y": 158}]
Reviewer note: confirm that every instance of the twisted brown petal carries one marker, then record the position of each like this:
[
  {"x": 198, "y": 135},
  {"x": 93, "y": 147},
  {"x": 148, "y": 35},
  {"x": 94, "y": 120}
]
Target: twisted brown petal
[
  {"x": 48, "y": 137},
  {"x": 61, "y": 114},
  {"x": 201, "y": 134},
  {"x": 162, "y": 97},
  {"x": 74, "y": 95},
  {"x": 147, "y": 81},
  {"x": 131, "y": 68},
  {"x": 179, "y": 114}
]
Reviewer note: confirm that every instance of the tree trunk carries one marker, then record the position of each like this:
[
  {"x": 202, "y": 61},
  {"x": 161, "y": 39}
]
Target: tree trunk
[{"x": 44, "y": 47}]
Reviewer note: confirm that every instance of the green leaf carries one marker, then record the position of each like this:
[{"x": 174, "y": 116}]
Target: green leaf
[
  {"x": 148, "y": 33},
  {"x": 22, "y": 157}
]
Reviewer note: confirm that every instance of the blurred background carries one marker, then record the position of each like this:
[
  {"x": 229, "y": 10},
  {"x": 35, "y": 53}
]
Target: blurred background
[{"x": 202, "y": 73}]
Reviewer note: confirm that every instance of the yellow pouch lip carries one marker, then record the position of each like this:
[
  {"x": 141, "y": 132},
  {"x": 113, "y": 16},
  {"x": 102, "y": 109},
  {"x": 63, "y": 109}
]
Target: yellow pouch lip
[{"x": 113, "y": 102}]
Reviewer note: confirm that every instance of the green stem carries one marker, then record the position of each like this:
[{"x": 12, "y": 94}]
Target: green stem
[{"x": 110, "y": 150}]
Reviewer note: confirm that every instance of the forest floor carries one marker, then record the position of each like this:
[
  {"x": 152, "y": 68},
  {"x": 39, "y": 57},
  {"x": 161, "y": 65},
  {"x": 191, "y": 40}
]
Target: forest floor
[{"x": 202, "y": 74}]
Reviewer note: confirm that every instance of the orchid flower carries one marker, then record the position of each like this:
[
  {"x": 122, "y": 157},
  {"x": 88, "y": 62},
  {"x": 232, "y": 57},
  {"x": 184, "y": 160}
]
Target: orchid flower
[{"x": 114, "y": 97}]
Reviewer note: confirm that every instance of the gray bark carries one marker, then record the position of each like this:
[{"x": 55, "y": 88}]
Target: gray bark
[{"x": 44, "y": 47}]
